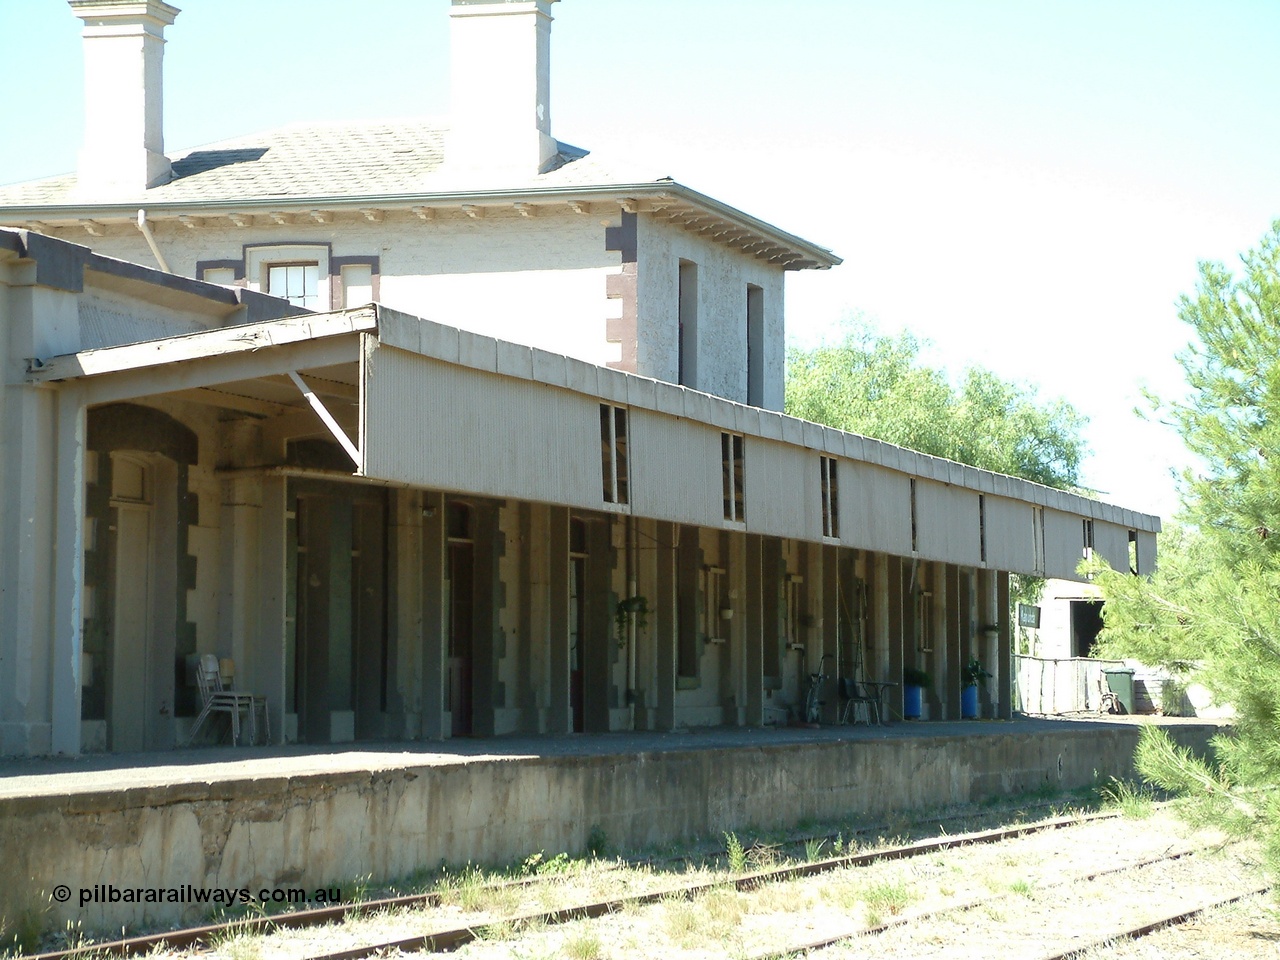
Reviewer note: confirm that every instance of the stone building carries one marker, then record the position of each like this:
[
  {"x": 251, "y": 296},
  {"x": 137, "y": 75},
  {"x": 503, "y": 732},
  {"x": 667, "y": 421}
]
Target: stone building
[{"x": 447, "y": 430}]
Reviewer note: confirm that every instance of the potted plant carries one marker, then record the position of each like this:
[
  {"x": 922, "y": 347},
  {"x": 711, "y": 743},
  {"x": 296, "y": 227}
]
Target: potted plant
[
  {"x": 974, "y": 676},
  {"x": 914, "y": 680},
  {"x": 630, "y": 610}
]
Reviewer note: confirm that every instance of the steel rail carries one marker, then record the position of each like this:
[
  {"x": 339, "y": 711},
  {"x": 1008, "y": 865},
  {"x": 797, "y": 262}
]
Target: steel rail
[
  {"x": 202, "y": 935},
  {"x": 1155, "y": 926},
  {"x": 831, "y": 941},
  {"x": 445, "y": 941}
]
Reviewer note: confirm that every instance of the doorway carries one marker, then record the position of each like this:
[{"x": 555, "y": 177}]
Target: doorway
[
  {"x": 459, "y": 589},
  {"x": 131, "y": 634},
  {"x": 340, "y": 641},
  {"x": 1086, "y": 624},
  {"x": 577, "y": 620}
]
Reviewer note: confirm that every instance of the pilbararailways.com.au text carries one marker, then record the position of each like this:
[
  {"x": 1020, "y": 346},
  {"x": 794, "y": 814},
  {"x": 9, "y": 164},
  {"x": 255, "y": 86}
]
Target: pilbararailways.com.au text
[{"x": 214, "y": 896}]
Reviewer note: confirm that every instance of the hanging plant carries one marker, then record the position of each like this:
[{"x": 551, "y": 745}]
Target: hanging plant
[{"x": 630, "y": 610}]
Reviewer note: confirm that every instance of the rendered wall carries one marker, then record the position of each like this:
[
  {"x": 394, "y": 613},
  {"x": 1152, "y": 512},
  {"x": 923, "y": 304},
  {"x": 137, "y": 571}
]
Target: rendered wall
[{"x": 723, "y": 275}]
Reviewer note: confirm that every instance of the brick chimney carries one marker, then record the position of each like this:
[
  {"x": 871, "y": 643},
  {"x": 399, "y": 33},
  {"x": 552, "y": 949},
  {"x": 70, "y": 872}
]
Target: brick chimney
[
  {"x": 501, "y": 86},
  {"x": 123, "y": 149}
]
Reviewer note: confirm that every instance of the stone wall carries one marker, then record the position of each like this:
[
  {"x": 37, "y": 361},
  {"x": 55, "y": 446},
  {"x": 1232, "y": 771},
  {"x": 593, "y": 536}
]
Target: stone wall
[{"x": 316, "y": 830}]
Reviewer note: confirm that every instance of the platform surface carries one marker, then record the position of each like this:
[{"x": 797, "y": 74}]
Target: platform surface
[{"x": 95, "y": 773}]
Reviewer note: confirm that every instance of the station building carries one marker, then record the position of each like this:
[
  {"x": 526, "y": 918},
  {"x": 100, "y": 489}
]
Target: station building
[{"x": 433, "y": 430}]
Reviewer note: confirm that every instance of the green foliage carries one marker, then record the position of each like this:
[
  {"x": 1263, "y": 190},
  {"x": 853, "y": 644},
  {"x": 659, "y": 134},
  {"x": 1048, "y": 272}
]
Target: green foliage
[
  {"x": 973, "y": 673},
  {"x": 813, "y": 849},
  {"x": 875, "y": 385},
  {"x": 734, "y": 851},
  {"x": 1212, "y": 604},
  {"x": 627, "y": 611},
  {"x": 915, "y": 677}
]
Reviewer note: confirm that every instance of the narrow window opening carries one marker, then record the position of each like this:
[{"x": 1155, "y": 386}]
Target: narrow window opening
[
  {"x": 732, "y": 477},
  {"x": 1133, "y": 552},
  {"x": 915, "y": 534},
  {"x": 982, "y": 527},
  {"x": 613, "y": 453},
  {"x": 830, "y": 498},
  {"x": 755, "y": 345},
  {"x": 1087, "y": 533},
  {"x": 1037, "y": 539},
  {"x": 687, "y": 360}
]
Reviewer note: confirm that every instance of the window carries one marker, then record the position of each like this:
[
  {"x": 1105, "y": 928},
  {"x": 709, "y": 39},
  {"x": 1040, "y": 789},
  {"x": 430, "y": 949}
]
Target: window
[
  {"x": 1133, "y": 552},
  {"x": 755, "y": 345},
  {"x": 982, "y": 527},
  {"x": 830, "y": 498},
  {"x": 915, "y": 530},
  {"x": 1037, "y": 540},
  {"x": 687, "y": 310},
  {"x": 713, "y": 601},
  {"x": 297, "y": 272},
  {"x": 1088, "y": 538},
  {"x": 299, "y": 283},
  {"x": 732, "y": 474},
  {"x": 613, "y": 453}
]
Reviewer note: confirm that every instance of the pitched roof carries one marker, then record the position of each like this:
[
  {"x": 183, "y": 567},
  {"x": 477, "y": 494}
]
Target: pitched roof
[
  {"x": 379, "y": 162},
  {"x": 328, "y": 160}
]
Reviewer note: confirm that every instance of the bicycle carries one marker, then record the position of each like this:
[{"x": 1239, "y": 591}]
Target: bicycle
[{"x": 814, "y": 703}]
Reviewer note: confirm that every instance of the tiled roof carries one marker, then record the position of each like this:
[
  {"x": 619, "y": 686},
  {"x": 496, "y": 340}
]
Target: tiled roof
[{"x": 327, "y": 160}]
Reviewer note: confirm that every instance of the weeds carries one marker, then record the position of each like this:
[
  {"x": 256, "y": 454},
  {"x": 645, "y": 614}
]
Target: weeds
[
  {"x": 534, "y": 865},
  {"x": 1134, "y": 802},
  {"x": 887, "y": 896},
  {"x": 733, "y": 850},
  {"x": 813, "y": 849},
  {"x": 584, "y": 946}
]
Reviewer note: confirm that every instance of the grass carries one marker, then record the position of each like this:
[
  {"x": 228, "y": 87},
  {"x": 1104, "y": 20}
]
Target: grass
[
  {"x": 1024, "y": 888},
  {"x": 584, "y": 946},
  {"x": 887, "y": 896},
  {"x": 1134, "y": 802}
]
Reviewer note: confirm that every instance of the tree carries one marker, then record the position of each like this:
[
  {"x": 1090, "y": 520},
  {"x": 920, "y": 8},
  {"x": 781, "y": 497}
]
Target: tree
[
  {"x": 875, "y": 385},
  {"x": 1215, "y": 606}
]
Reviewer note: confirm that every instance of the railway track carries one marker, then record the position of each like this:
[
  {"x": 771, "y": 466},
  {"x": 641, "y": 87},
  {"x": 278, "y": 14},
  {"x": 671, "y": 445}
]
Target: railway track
[
  {"x": 196, "y": 938},
  {"x": 867, "y": 936}
]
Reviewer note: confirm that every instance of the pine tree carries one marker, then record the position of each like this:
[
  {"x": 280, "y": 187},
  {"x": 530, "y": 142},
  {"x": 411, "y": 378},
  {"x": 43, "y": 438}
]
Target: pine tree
[{"x": 1215, "y": 604}]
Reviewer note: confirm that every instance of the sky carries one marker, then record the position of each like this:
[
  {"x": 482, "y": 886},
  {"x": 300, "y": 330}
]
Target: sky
[{"x": 1028, "y": 186}]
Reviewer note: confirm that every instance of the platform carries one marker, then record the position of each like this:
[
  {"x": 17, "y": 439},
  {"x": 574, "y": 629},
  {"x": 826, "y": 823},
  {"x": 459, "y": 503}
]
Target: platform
[{"x": 293, "y": 816}]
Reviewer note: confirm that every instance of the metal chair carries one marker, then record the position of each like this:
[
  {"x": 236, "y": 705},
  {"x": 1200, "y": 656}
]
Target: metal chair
[
  {"x": 854, "y": 694},
  {"x": 218, "y": 699}
]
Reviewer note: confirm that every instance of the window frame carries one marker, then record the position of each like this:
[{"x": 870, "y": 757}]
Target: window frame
[{"x": 733, "y": 476}]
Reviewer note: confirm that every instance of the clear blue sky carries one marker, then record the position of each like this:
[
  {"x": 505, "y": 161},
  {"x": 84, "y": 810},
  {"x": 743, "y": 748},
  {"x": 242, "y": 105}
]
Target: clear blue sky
[{"x": 1028, "y": 185}]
